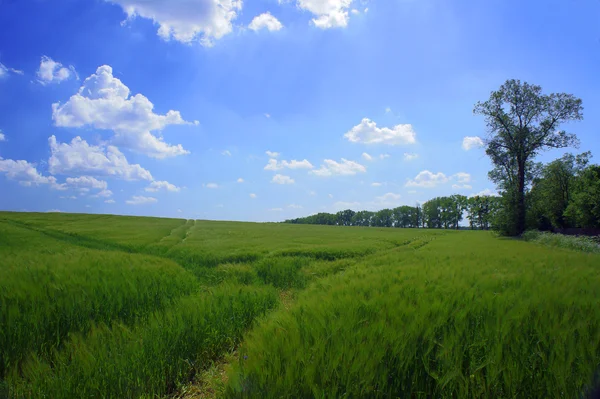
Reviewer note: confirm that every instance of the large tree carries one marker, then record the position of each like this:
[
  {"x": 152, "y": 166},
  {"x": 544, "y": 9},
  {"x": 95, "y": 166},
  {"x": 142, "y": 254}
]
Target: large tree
[{"x": 521, "y": 123}]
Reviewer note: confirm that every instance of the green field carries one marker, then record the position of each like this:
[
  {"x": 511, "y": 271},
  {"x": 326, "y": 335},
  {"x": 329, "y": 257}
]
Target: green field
[{"x": 127, "y": 307}]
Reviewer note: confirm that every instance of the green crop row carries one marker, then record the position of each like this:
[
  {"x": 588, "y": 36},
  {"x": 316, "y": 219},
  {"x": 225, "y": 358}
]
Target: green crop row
[
  {"x": 50, "y": 290},
  {"x": 149, "y": 359},
  {"x": 464, "y": 316}
]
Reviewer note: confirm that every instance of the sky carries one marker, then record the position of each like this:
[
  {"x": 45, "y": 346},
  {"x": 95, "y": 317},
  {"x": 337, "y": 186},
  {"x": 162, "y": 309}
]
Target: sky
[{"x": 265, "y": 110}]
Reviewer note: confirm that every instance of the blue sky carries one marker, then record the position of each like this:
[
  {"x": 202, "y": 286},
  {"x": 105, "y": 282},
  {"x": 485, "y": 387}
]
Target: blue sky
[{"x": 169, "y": 108}]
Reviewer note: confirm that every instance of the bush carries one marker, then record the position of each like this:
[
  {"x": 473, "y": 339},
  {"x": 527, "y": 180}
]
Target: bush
[{"x": 576, "y": 243}]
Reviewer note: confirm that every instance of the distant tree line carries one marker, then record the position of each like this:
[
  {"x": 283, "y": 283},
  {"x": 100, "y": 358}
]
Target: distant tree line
[
  {"x": 439, "y": 212},
  {"x": 521, "y": 123}
]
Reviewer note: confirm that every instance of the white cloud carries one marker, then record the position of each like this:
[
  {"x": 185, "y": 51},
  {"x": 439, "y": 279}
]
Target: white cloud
[
  {"x": 344, "y": 168},
  {"x": 388, "y": 200},
  {"x": 272, "y": 154},
  {"x": 376, "y": 184},
  {"x": 470, "y": 142},
  {"x": 267, "y": 116},
  {"x": 2, "y": 136},
  {"x": 53, "y": 211},
  {"x": 212, "y": 185},
  {"x": 86, "y": 182},
  {"x": 388, "y": 110},
  {"x": 410, "y": 156},
  {"x": 27, "y": 174},
  {"x": 461, "y": 187},
  {"x": 462, "y": 177},
  {"x": 162, "y": 185},
  {"x": 69, "y": 197},
  {"x": 51, "y": 71},
  {"x": 104, "y": 102},
  {"x": 294, "y": 206},
  {"x": 412, "y": 191},
  {"x": 328, "y": 13},
  {"x": 367, "y": 132},
  {"x": 274, "y": 164},
  {"x": 4, "y": 71},
  {"x": 252, "y": 195},
  {"x": 384, "y": 156},
  {"x": 79, "y": 156},
  {"x": 276, "y": 209},
  {"x": 427, "y": 179},
  {"x": 186, "y": 21},
  {"x": 110, "y": 201},
  {"x": 355, "y": 11},
  {"x": 486, "y": 193},
  {"x": 367, "y": 157},
  {"x": 140, "y": 200},
  {"x": 226, "y": 152},
  {"x": 265, "y": 21},
  {"x": 282, "y": 179},
  {"x": 103, "y": 194},
  {"x": 330, "y": 195},
  {"x": 240, "y": 180},
  {"x": 312, "y": 193}
]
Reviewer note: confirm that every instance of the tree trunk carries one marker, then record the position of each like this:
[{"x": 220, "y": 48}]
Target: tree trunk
[{"x": 520, "y": 211}]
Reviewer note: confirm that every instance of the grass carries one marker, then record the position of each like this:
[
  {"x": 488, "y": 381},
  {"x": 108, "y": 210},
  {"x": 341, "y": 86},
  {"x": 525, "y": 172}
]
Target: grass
[{"x": 109, "y": 306}]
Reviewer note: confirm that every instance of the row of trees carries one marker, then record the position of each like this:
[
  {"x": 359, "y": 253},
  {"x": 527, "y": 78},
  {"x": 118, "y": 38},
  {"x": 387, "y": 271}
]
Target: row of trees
[{"x": 440, "y": 212}]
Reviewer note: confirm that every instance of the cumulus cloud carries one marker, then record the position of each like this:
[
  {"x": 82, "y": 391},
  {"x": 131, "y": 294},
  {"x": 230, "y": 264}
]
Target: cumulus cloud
[
  {"x": 110, "y": 201},
  {"x": 186, "y": 21},
  {"x": 86, "y": 182},
  {"x": 388, "y": 200},
  {"x": 462, "y": 177},
  {"x": 51, "y": 71},
  {"x": 410, "y": 156},
  {"x": 272, "y": 154},
  {"x": 276, "y": 209},
  {"x": 27, "y": 174},
  {"x": 294, "y": 206},
  {"x": 367, "y": 132},
  {"x": 78, "y": 156},
  {"x": 141, "y": 200},
  {"x": 486, "y": 193},
  {"x": 253, "y": 196},
  {"x": 104, "y": 102},
  {"x": 470, "y": 142},
  {"x": 274, "y": 164},
  {"x": 462, "y": 186},
  {"x": 427, "y": 179},
  {"x": 265, "y": 21},
  {"x": 384, "y": 156},
  {"x": 328, "y": 13},
  {"x": 344, "y": 168},
  {"x": 2, "y": 136},
  {"x": 103, "y": 194},
  {"x": 162, "y": 185},
  {"x": 282, "y": 179},
  {"x": 212, "y": 185},
  {"x": 367, "y": 157},
  {"x": 240, "y": 180},
  {"x": 376, "y": 184},
  {"x": 226, "y": 152}
]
